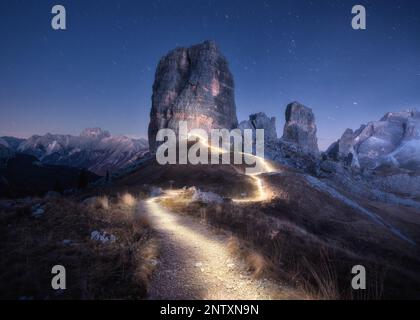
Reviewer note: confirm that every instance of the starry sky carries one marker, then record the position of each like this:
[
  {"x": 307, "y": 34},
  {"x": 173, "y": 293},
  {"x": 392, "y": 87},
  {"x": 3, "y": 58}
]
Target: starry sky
[{"x": 100, "y": 71}]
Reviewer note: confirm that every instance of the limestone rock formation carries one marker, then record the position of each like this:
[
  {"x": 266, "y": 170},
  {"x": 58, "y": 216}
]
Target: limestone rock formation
[
  {"x": 343, "y": 149},
  {"x": 392, "y": 142},
  {"x": 271, "y": 142},
  {"x": 193, "y": 85},
  {"x": 261, "y": 121},
  {"x": 300, "y": 128}
]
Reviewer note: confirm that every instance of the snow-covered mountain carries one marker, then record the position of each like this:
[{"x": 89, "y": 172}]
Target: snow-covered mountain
[
  {"x": 11, "y": 142},
  {"x": 391, "y": 142},
  {"x": 94, "y": 149}
]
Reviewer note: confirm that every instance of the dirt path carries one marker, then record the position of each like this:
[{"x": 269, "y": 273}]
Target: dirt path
[{"x": 195, "y": 263}]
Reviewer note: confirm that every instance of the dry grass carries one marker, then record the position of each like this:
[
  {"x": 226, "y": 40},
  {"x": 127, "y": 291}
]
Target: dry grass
[
  {"x": 32, "y": 246},
  {"x": 258, "y": 265},
  {"x": 128, "y": 200},
  {"x": 280, "y": 249},
  {"x": 324, "y": 284},
  {"x": 102, "y": 203}
]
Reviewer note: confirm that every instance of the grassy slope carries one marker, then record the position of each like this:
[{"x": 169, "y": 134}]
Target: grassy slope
[
  {"x": 32, "y": 246},
  {"x": 303, "y": 236},
  {"x": 314, "y": 240}
]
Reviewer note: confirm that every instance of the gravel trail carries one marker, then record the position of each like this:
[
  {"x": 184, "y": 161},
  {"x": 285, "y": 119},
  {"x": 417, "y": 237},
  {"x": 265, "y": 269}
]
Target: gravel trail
[{"x": 195, "y": 263}]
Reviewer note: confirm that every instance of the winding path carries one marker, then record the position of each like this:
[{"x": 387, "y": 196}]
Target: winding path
[{"x": 195, "y": 262}]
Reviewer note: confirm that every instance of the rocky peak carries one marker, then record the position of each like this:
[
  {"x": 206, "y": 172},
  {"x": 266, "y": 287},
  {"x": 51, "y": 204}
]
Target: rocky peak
[
  {"x": 11, "y": 142},
  {"x": 193, "y": 85},
  {"x": 391, "y": 142},
  {"x": 300, "y": 128},
  {"x": 343, "y": 150},
  {"x": 346, "y": 143},
  {"x": 261, "y": 121},
  {"x": 95, "y": 133},
  {"x": 401, "y": 116}
]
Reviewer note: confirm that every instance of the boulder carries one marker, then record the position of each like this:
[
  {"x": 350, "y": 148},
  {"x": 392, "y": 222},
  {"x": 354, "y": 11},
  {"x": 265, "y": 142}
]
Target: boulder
[
  {"x": 38, "y": 211},
  {"x": 102, "y": 237},
  {"x": 206, "y": 197}
]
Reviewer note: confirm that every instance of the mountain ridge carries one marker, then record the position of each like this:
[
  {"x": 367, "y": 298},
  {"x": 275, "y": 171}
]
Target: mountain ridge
[{"x": 94, "y": 149}]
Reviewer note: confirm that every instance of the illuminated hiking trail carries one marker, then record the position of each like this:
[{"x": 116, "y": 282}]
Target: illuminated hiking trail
[
  {"x": 262, "y": 194},
  {"x": 195, "y": 262}
]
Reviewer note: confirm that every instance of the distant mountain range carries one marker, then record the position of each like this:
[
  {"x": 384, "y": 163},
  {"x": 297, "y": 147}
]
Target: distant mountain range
[{"x": 94, "y": 149}]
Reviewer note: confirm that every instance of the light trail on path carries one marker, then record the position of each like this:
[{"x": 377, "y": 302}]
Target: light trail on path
[
  {"x": 195, "y": 262},
  {"x": 262, "y": 194}
]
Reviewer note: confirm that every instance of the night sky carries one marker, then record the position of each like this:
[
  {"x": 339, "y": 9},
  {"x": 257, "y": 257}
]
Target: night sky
[{"x": 99, "y": 72}]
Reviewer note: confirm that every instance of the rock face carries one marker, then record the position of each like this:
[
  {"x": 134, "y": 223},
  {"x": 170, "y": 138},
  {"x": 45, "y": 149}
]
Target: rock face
[
  {"x": 343, "y": 150},
  {"x": 392, "y": 142},
  {"x": 346, "y": 144},
  {"x": 298, "y": 147},
  {"x": 261, "y": 121},
  {"x": 194, "y": 85},
  {"x": 300, "y": 128}
]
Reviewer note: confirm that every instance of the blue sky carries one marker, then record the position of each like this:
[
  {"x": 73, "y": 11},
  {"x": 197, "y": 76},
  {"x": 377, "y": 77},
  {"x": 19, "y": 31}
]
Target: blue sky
[{"x": 100, "y": 71}]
